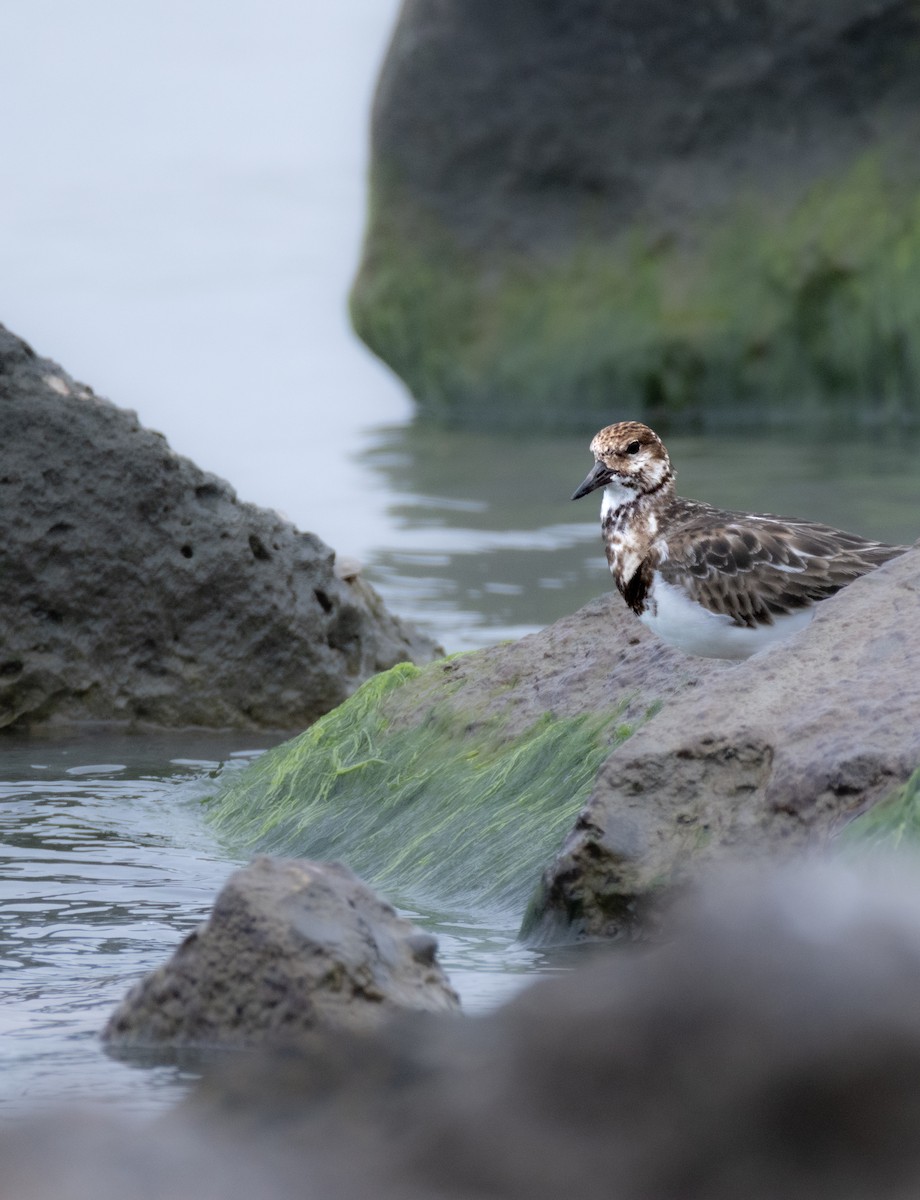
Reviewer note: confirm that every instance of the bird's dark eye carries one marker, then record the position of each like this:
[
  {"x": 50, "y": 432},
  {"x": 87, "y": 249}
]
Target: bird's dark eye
[{"x": 633, "y": 448}]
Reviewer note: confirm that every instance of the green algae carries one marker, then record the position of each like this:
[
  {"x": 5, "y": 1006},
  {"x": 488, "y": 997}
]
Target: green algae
[
  {"x": 889, "y": 826},
  {"x": 762, "y": 317},
  {"x": 446, "y": 807}
]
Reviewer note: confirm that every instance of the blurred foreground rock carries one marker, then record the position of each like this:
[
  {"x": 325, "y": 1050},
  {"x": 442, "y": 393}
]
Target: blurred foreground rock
[
  {"x": 291, "y": 948},
  {"x": 770, "y": 1050},
  {"x": 138, "y": 589},
  {"x": 695, "y": 214}
]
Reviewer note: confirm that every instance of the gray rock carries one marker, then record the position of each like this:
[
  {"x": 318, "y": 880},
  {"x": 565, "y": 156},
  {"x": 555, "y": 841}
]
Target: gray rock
[
  {"x": 770, "y": 1048},
  {"x": 597, "y": 659},
  {"x": 689, "y": 208},
  {"x": 574, "y": 116},
  {"x": 291, "y": 948},
  {"x": 137, "y": 588},
  {"x": 453, "y": 784},
  {"x": 775, "y": 753}
]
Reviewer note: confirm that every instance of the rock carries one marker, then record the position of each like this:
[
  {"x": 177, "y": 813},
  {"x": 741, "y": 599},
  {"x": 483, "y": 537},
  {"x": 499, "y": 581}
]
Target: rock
[
  {"x": 592, "y": 747},
  {"x": 778, "y": 752},
  {"x": 771, "y": 1047},
  {"x": 291, "y": 948},
  {"x": 138, "y": 589},
  {"x": 452, "y": 785},
  {"x": 77, "y": 1154},
  {"x": 735, "y": 1060},
  {"x": 706, "y": 212}
]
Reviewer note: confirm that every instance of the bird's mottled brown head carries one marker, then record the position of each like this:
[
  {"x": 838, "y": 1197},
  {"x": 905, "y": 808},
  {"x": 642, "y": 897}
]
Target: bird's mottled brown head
[{"x": 629, "y": 455}]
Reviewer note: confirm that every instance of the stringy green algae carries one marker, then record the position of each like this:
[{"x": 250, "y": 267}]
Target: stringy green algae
[
  {"x": 450, "y": 810},
  {"x": 892, "y": 824}
]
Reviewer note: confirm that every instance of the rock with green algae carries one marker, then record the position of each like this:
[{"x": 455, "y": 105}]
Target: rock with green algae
[
  {"x": 455, "y": 783},
  {"x": 889, "y": 826},
  {"x": 780, "y": 752},
  {"x": 698, "y": 213}
]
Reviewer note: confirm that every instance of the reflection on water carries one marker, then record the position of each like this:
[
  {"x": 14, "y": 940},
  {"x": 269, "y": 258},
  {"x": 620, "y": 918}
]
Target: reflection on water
[{"x": 484, "y": 543}]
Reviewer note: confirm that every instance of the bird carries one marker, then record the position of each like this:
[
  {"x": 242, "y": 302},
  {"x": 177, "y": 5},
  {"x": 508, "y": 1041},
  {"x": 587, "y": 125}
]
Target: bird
[{"x": 713, "y": 583}]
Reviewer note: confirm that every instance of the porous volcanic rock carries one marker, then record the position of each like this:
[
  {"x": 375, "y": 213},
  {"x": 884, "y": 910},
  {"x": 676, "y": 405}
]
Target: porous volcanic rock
[
  {"x": 706, "y": 211},
  {"x": 291, "y": 948},
  {"x": 137, "y": 588},
  {"x": 780, "y": 751},
  {"x": 769, "y": 1048}
]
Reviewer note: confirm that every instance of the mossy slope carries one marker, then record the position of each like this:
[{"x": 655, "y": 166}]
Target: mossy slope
[
  {"x": 763, "y": 317},
  {"x": 421, "y": 797}
]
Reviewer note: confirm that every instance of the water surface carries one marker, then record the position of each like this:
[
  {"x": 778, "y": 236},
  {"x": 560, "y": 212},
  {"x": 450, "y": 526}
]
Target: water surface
[
  {"x": 106, "y": 863},
  {"x": 181, "y": 219}
]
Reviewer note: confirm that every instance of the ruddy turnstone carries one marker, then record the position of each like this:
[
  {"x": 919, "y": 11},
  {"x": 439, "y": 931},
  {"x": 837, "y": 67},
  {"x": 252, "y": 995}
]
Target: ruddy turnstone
[{"x": 713, "y": 583}]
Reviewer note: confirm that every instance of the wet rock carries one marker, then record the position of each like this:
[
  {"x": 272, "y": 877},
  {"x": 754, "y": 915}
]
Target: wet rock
[
  {"x": 770, "y": 1048},
  {"x": 291, "y": 948},
  {"x": 689, "y": 211},
  {"x": 775, "y": 753},
  {"x": 597, "y": 659},
  {"x": 591, "y": 746},
  {"x": 137, "y": 588},
  {"x": 456, "y": 782}
]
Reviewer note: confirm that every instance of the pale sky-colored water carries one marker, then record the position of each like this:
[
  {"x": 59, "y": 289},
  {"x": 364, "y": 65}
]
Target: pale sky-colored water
[{"x": 180, "y": 219}]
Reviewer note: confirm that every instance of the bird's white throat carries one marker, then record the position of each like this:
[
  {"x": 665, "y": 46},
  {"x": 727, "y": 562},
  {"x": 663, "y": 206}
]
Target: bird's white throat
[{"x": 616, "y": 496}]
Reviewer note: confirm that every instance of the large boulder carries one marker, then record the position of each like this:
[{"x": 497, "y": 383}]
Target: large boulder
[
  {"x": 290, "y": 949},
  {"x": 707, "y": 212},
  {"x": 781, "y": 751},
  {"x": 770, "y": 1048},
  {"x": 137, "y": 588}
]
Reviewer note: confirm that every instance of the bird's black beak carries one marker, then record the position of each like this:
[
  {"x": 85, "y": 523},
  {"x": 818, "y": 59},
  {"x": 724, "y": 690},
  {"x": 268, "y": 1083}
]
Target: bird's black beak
[{"x": 598, "y": 476}]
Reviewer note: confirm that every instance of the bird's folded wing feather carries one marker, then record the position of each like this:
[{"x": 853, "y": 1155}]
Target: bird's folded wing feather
[{"x": 758, "y": 568}]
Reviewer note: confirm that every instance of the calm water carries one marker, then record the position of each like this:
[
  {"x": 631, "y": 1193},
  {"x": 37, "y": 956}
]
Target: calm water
[
  {"x": 483, "y": 542},
  {"x": 187, "y": 251}
]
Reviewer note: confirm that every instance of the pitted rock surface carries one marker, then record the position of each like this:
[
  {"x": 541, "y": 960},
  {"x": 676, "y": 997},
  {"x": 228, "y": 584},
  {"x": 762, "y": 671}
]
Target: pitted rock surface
[
  {"x": 138, "y": 588},
  {"x": 291, "y": 948}
]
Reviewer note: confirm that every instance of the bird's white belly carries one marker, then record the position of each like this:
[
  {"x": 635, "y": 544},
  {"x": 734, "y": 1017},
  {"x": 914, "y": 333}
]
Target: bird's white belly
[{"x": 681, "y": 622}]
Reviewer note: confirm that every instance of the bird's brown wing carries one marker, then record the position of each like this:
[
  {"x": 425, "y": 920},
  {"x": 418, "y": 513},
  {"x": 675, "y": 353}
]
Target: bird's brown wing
[{"x": 753, "y": 568}]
